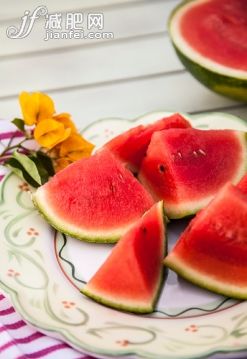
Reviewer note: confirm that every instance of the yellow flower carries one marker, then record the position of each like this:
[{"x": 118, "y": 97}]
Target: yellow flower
[
  {"x": 72, "y": 149},
  {"x": 61, "y": 163},
  {"x": 57, "y": 133},
  {"x": 65, "y": 119},
  {"x": 35, "y": 107},
  {"x": 75, "y": 147},
  {"x": 48, "y": 133}
]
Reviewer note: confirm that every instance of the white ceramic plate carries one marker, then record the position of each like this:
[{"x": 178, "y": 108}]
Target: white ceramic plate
[{"x": 43, "y": 271}]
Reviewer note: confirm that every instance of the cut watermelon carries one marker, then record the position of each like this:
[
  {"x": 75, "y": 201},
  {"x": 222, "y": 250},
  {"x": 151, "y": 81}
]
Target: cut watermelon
[
  {"x": 243, "y": 184},
  {"x": 210, "y": 38},
  {"x": 186, "y": 167},
  {"x": 131, "y": 276},
  {"x": 131, "y": 146},
  {"x": 95, "y": 199},
  {"x": 212, "y": 252}
]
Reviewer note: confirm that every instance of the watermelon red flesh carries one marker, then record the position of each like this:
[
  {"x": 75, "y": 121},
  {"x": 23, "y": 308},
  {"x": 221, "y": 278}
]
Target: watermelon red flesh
[
  {"x": 131, "y": 276},
  {"x": 186, "y": 167},
  {"x": 212, "y": 252},
  {"x": 243, "y": 184},
  {"x": 95, "y": 199},
  {"x": 217, "y": 29},
  {"x": 131, "y": 146}
]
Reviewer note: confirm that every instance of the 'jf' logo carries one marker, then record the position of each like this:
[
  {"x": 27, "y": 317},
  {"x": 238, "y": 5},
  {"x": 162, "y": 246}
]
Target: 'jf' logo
[{"x": 27, "y": 23}]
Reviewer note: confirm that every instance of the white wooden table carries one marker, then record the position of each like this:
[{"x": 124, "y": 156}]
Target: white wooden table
[{"x": 134, "y": 73}]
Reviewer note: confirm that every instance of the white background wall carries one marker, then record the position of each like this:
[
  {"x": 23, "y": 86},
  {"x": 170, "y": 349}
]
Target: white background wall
[{"x": 134, "y": 73}]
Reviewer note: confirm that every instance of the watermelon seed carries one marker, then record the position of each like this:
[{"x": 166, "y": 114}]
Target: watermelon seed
[
  {"x": 112, "y": 188},
  {"x": 199, "y": 152},
  {"x": 162, "y": 168},
  {"x": 219, "y": 228},
  {"x": 230, "y": 234},
  {"x": 144, "y": 229},
  {"x": 202, "y": 152},
  {"x": 227, "y": 18},
  {"x": 177, "y": 156}
]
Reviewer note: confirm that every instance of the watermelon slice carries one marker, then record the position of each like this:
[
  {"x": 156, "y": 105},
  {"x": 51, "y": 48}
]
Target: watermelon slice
[
  {"x": 210, "y": 38},
  {"x": 243, "y": 184},
  {"x": 212, "y": 251},
  {"x": 131, "y": 276},
  {"x": 131, "y": 146},
  {"x": 186, "y": 167},
  {"x": 95, "y": 199}
]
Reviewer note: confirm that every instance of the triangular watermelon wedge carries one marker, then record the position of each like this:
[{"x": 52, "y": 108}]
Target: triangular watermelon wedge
[
  {"x": 95, "y": 199},
  {"x": 131, "y": 146},
  {"x": 212, "y": 251},
  {"x": 131, "y": 276},
  {"x": 187, "y": 167}
]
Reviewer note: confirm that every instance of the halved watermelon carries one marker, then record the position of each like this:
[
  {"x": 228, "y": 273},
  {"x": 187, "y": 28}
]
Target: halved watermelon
[
  {"x": 95, "y": 199},
  {"x": 186, "y": 167},
  {"x": 212, "y": 251},
  {"x": 131, "y": 146},
  {"x": 243, "y": 184},
  {"x": 131, "y": 276},
  {"x": 210, "y": 38}
]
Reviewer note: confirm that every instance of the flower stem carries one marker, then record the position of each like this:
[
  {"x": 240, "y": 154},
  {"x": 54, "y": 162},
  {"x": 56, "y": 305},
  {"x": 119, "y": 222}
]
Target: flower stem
[{"x": 10, "y": 148}]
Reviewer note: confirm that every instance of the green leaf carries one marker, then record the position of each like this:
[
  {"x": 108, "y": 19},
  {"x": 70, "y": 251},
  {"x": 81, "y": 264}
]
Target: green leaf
[
  {"x": 46, "y": 162},
  {"x": 29, "y": 166},
  {"x": 44, "y": 175},
  {"x": 20, "y": 171},
  {"x": 44, "y": 165},
  {"x": 36, "y": 169},
  {"x": 19, "y": 123}
]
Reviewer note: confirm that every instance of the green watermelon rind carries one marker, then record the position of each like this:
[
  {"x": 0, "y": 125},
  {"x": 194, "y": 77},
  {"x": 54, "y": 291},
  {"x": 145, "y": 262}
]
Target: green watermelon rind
[
  {"x": 138, "y": 307},
  {"x": 228, "y": 86},
  {"x": 88, "y": 236},
  {"x": 119, "y": 306},
  {"x": 175, "y": 211},
  {"x": 178, "y": 265},
  {"x": 222, "y": 83}
]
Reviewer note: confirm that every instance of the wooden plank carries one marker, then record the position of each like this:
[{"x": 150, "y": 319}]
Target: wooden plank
[
  {"x": 82, "y": 67},
  {"x": 129, "y": 21},
  {"x": 18, "y": 7},
  {"x": 179, "y": 92}
]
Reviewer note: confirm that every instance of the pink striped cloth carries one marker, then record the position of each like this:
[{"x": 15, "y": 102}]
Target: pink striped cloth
[{"x": 18, "y": 340}]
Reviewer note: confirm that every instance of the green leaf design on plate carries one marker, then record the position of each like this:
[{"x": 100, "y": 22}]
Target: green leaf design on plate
[{"x": 147, "y": 335}]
